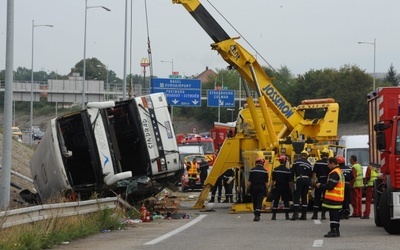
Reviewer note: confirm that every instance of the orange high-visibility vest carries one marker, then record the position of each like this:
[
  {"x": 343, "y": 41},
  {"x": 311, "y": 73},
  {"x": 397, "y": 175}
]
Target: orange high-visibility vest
[
  {"x": 334, "y": 198},
  {"x": 193, "y": 168}
]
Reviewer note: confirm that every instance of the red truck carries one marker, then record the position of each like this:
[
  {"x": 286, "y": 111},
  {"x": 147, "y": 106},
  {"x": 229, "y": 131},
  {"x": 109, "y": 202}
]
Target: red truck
[
  {"x": 204, "y": 140},
  {"x": 220, "y": 131},
  {"x": 384, "y": 153}
]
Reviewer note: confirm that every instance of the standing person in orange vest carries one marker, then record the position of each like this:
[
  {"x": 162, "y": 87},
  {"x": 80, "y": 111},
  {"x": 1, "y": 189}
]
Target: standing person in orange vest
[
  {"x": 357, "y": 186},
  {"x": 370, "y": 176},
  {"x": 334, "y": 196},
  {"x": 192, "y": 172}
]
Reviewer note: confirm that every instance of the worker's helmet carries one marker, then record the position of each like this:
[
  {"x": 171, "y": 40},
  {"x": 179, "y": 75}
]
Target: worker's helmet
[
  {"x": 282, "y": 159},
  {"x": 340, "y": 159},
  {"x": 260, "y": 160},
  {"x": 325, "y": 152},
  {"x": 304, "y": 152}
]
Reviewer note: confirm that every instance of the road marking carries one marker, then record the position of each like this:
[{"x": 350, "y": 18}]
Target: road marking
[
  {"x": 318, "y": 243},
  {"x": 166, "y": 236},
  {"x": 317, "y": 222}
]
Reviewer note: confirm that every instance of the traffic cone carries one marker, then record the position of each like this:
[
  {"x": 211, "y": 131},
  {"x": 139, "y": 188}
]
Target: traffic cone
[
  {"x": 148, "y": 216},
  {"x": 143, "y": 213}
]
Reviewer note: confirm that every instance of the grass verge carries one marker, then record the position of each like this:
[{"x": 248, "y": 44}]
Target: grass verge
[{"x": 48, "y": 233}]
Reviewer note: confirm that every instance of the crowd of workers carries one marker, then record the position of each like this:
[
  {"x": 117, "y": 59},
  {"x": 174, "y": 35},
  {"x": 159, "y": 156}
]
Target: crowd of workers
[{"x": 335, "y": 185}]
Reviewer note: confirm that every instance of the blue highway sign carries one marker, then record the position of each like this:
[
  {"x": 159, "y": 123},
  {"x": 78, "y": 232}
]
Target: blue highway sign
[
  {"x": 179, "y": 92},
  {"x": 225, "y": 98}
]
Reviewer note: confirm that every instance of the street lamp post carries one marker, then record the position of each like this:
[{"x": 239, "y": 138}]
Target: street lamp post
[
  {"x": 374, "y": 43},
  {"x": 84, "y": 52},
  {"x": 31, "y": 114},
  {"x": 107, "y": 83},
  {"x": 172, "y": 65},
  {"x": 232, "y": 110}
]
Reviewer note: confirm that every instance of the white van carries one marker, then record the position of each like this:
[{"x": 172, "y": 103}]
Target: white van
[
  {"x": 189, "y": 149},
  {"x": 355, "y": 145}
]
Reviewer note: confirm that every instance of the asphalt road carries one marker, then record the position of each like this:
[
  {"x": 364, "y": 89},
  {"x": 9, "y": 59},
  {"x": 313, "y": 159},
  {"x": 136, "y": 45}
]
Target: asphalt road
[
  {"x": 217, "y": 229},
  {"x": 26, "y": 138}
]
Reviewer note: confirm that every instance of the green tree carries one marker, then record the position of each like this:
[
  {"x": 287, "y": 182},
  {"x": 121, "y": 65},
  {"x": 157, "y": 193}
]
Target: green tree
[
  {"x": 22, "y": 74},
  {"x": 349, "y": 87},
  {"x": 55, "y": 75},
  {"x": 282, "y": 79},
  {"x": 391, "y": 76},
  {"x": 95, "y": 69}
]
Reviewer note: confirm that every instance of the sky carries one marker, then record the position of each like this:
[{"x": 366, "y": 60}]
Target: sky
[{"x": 302, "y": 35}]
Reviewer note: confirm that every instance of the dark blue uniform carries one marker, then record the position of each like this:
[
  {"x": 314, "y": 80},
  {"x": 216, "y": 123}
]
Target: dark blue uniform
[
  {"x": 282, "y": 177},
  {"x": 215, "y": 188},
  {"x": 321, "y": 171},
  {"x": 258, "y": 179},
  {"x": 301, "y": 171},
  {"x": 227, "y": 180},
  {"x": 348, "y": 177},
  {"x": 203, "y": 171}
]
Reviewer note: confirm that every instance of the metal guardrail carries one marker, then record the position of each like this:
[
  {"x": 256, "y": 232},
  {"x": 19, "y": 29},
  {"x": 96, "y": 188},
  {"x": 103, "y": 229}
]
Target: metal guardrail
[{"x": 48, "y": 211}]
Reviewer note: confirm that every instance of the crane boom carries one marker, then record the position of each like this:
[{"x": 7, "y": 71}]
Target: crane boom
[{"x": 240, "y": 59}]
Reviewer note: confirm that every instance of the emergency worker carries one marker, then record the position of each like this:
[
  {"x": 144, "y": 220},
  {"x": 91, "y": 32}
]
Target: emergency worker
[
  {"x": 227, "y": 181},
  {"x": 257, "y": 186},
  {"x": 348, "y": 177},
  {"x": 320, "y": 174},
  {"x": 334, "y": 196},
  {"x": 215, "y": 188},
  {"x": 281, "y": 177},
  {"x": 203, "y": 168},
  {"x": 370, "y": 176},
  {"x": 301, "y": 172},
  {"x": 192, "y": 172},
  {"x": 357, "y": 186}
]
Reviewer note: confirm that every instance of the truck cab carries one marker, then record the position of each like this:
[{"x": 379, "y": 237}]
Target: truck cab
[
  {"x": 355, "y": 145},
  {"x": 384, "y": 154}
]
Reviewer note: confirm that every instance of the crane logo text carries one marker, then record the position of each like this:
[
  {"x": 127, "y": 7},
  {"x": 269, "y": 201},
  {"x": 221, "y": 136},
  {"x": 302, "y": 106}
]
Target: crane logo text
[{"x": 277, "y": 99}]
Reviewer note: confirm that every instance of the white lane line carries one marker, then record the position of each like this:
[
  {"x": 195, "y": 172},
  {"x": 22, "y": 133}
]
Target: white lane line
[
  {"x": 317, "y": 222},
  {"x": 318, "y": 243},
  {"x": 166, "y": 236}
]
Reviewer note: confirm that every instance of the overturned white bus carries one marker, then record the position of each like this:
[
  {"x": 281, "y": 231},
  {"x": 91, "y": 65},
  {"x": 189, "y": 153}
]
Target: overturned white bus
[{"x": 126, "y": 147}]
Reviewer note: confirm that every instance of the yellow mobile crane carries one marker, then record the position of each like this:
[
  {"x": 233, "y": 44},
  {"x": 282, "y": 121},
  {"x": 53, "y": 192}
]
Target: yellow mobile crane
[{"x": 273, "y": 127}]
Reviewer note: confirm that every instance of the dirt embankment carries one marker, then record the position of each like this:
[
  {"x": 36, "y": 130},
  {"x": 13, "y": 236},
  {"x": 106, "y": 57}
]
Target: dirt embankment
[{"x": 20, "y": 156}]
